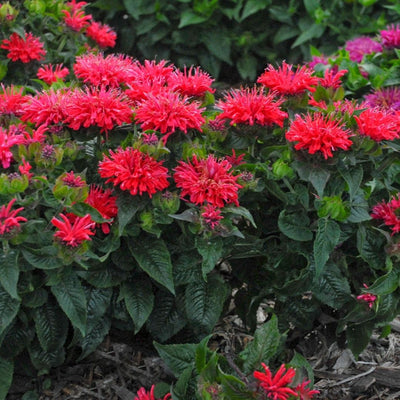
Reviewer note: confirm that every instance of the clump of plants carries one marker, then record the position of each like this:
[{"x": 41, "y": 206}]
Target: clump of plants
[{"x": 133, "y": 198}]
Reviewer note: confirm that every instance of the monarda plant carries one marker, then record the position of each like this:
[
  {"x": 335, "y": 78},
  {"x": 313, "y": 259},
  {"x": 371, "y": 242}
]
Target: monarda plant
[{"x": 132, "y": 199}]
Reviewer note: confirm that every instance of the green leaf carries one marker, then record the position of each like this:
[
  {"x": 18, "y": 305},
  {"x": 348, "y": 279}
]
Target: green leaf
[
  {"x": 253, "y": 6},
  {"x": 353, "y": 179},
  {"x": 153, "y": 257},
  {"x": 316, "y": 175},
  {"x": 202, "y": 351},
  {"x": 82, "y": 209},
  {"x": 180, "y": 388},
  {"x": 211, "y": 250},
  {"x": 204, "y": 302},
  {"x": 218, "y": 44},
  {"x": 71, "y": 298},
  {"x": 314, "y": 31},
  {"x": 331, "y": 287},
  {"x": 244, "y": 212},
  {"x": 51, "y": 326},
  {"x": 8, "y": 309},
  {"x": 358, "y": 337},
  {"x": 127, "y": 208},
  {"x": 6, "y": 376},
  {"x": 9, "y": 272},
  {"x": 166, "y": 319},
  {"x": 188, "y": 17},
  {"x": 96, "y": 332},
  {"x": 299, "y": 362},
  {"x": 107, "y": 276},
  {"x": 295, "y": 226},
  {"x": 247, "y": 67},
  {"x": 234, "y": 388},
  {"x": 369, "y": 245},
  {"x": 45, "y": 258},
  {"x": 44, "y": 360},
  {"x": 385, "y": 284},
  {"x": 178, "y": 357},
  {"x": 263, "y": 347},
  {"x": 139, "y": 300},
  {"x": 327, "y": 238}
]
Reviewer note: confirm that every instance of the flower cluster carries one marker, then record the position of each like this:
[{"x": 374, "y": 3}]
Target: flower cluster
[
  {"x": 277, "y": 387},
  {"x": 388, "y": 213}
]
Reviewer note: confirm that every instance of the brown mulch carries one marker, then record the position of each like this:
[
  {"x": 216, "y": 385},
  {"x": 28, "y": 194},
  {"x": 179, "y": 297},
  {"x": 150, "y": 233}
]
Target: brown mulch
[{"x": 122, "y": 365}]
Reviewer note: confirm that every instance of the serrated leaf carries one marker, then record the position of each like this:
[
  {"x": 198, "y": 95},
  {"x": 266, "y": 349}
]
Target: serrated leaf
[
  {"x": 127, "y": 208},
  {"x": 234, "y": 388},
  {"x": 202, "y": 351},
  {"x": 353, "y": 179},
  {"x": 96, "y": 332},
  {"x": 51, "y": 326},
  {"x": 139, "y": 300},
  {"x": 8, "y": 309},
  {"x": 298, "y": 361},
  {"x": 71, "y": 298},
  {"x": 331, "y": 287},
  {"x": 295, "y": 226},
  {"x": 178, "y": 357},
  {"x": 369, "y": 245},
  {"x": 45, "y": 258},
  {"x": 358, "y": 337},
  {"x": 187, "y": 268},
  {"x": 211, "y": 250},
  {"x": 327, "y": 238},
  {"x": 180, "y": 388},
  {"x": 35, "y": 299},
  {"x": 165, "y": 320},
  {"x": 385, "y": 284},
  {"x": 204, "y": 302},
  {"x": 263, "y": 347},
  {"x": 106, "y": 277},
  {"x": 44, "y": 360},
  {"x": 153, "y": 257},
  {"x": 6, "y": 376},
  {"x": 9, "y": 272}
]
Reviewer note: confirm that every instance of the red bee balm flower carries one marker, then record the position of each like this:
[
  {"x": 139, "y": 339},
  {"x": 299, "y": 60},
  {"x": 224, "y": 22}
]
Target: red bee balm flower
[
  {"x": 211, "y": 215},
  {"x": 49, "y": 75},
  {"x": 369, "y": 298},
  {"x": 7, "y": 141},
  {"x": 388, "y": 213},
  {"x": 9, "y": 220},
  {"x": 303, "y": 392},
  {"x": 318, "y": 133},
  {"x": 74, "y": 233},
  {"x": 288, "y": 82},
  {"x": 25, "y": 50},
  {"x": 142, "y": 394},
  {"x": 103, "y": 35},
  {"x": 208, "y": 181},
  {"x": 134, "y": 171},
  {"x": 168, "y": 111},
  {"x": 104, "y": 203},
  {"x": 378, "y": 124},
  {"x": 251, "y": 107},
  {"x": 391, "y": 37},
  {"x": 11, "y": 100},
  {"x": 100, "y": 107},
  {"x": 193, "y": 82},
  {"x": 276, "y": 387}
]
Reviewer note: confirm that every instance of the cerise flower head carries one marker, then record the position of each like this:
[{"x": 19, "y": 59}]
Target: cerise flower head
[
  {"x": 142, "y": 394},
  {"x": 100, "y": 107},
  {"x": 318, "y": 133},
  {"x": 50, "y": 73},
  {"x": 167, "y": 112},
  {"x": 207, "y": 181},
  {"x": 245, "y": 106},
  {"x": 287, "y": 81},
  {"x": 132, "y": 170},
  {"x": 362, "y": 45},
  {"x": 390, "y": 37},
  {"x": 388, "y": 212},
  {"x": 102, "y": 34},
  {"x": 23, "y": 49},
  {"x": 9, "y": 220}
]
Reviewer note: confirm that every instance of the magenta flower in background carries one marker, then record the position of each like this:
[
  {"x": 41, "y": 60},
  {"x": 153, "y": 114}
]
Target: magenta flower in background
[
  {"x": 390, "y": 37},
  {"x": 362, "y": 45},
  {"x": 387, "y": 98}
]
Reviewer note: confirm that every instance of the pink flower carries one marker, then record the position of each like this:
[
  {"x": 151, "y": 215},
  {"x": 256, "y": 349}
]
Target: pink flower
[
  {"x": 251, "y": 107},
  {"x": 207, "y": 181},
  {"x": 362, "y": 45},
  {"x": 72, "y": 180},
  {"x": 211, "y": 215},
  {"x": 76, "y": 19},
  {"x": 27, "y": 49},
  {"x": 390, "y": 37},
  {"x": 142, "y": 394},
  {"x": 73, "y": 233},
  {"x": 332, "y": 78},
  {"x": 378, "y": 124},
  {"x": 276, "y": 387},
  {"x": 49, "y": 75},
  {"x": 102, "y": 107},
  {"x": 303, "y": 392},
  {"x": 318, "y": 133},
  {"x": 387, "y": 98},
  {"x": 11, "y": 100},
  {"x": 96, "y": 69},
  {"x": 388, "y": 212},
  {"x": 192, "y": 82},
  {"x": 7, "y": 141},
  {"x": 285, "y": 81},
  {"x": 9, "y": 221},
  {"x": 167, "y": 112},
  {"x": 103, "y": 35},
  {"x": 369, "y": 298},
  {"x": 134, "y": 171}
]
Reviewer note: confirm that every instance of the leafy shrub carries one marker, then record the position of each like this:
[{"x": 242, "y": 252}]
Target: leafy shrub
[
  {"x": 234, "y": 39},
  {"x": 132, "y": 199}
]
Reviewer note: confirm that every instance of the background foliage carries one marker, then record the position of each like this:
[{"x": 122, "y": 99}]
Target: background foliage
[{"x": 234, "y": 39}]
